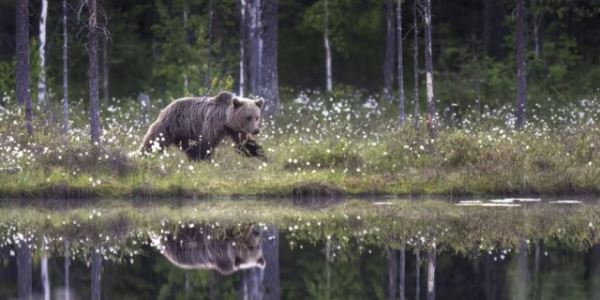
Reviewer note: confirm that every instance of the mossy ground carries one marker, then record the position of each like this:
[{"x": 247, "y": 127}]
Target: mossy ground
[{"x": 328, "y": 147}]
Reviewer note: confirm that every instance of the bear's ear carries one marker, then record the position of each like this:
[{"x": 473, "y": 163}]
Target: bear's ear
[
  {"x": 224, "y": 98},
  {"x": 261, "y": 262},
  {"x": 260, "y": 102},
  {"x": 237, "y": 102}
]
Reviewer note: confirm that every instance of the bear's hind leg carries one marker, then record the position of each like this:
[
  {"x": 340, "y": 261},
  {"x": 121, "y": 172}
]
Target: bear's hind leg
[{"x": 199, "y": 152}]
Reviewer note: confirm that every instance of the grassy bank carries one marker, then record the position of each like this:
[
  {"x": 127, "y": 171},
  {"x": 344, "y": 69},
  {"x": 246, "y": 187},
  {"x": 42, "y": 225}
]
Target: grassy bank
[{"x": 317, "y": 146}]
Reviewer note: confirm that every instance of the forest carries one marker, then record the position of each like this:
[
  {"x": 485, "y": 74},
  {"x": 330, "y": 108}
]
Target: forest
[
  {"x": 362, "y": 97},
  {"x": 390, "y": 149}
]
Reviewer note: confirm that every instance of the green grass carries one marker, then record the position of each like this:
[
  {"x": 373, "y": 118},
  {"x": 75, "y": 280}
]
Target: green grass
[{"x": 329, "y": 148}]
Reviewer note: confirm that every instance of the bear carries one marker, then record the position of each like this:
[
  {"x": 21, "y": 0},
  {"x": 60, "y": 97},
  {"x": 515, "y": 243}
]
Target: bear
[
  {"x": 202, "y": 248},
  {"x": 197, "y": 125}
]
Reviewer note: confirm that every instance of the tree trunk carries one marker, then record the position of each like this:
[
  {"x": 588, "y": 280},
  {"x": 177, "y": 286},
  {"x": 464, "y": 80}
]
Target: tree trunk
[
  {"x": 521, "y": 65},
  {"x": 328, "y": 71},
  {"x": 522, "y": 273},
  {"x": 185, "y": 28},
  {"x": 42, "y": 54},
  {"x": 486, "y": 27},
  {"x": 186, "y": 286},
  {"x": 105, "y": 71},
  {"x": 255, "y": 40},
  {"x": 22, "y": 71},
  {"x": 416, "y": 63},
  {"x": 210, "y": 46},
  {"x": 488, "y": 277},
  {"x": 536, "y": 271},
  {"x": 96, "y": 272},
  {"x": 392, "y": 265},
  {"x": 242, "y": 47},
  {"x": 328, "y": 269},
  {"x": 24, "y": 271},
  {"x": 400, "y": 64},
  {"x": 67, "y": 265},
  {"x": 388, "y": 60},
  {"x": 402, "y": 276},
  {"x": 431, "y": 112},
  {"x": 537, "y": 17},
  {"x": 417, "y": 273},
  {"x": 269, "y": 83},
  {"x": 270, "y": 248},
  {"x": 45, "y": 277},
  {"x": 431, "y": 257},
  {"x": 93, "y": 73},
  {"x": 595, "y": 272},
  {"x": 65, "y": 68}
]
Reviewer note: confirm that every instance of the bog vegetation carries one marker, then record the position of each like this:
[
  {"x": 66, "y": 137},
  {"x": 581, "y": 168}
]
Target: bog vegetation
[{"x": 320, "y": 145}]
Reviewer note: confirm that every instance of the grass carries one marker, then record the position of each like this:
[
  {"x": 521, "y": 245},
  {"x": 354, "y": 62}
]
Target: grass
[
  {"x": 317, "y": 146},
  {"x": 122, "y": 228}
]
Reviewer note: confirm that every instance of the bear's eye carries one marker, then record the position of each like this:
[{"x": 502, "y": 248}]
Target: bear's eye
[{"x": 249, "y": 118}]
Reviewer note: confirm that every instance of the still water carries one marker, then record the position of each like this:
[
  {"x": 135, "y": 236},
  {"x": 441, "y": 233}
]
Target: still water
[{"x": 108, "y": 251}]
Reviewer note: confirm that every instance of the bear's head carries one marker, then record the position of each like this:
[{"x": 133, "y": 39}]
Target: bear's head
[
  {"x": 248, "y": 252},
  {"x": 245, "y": 114}
]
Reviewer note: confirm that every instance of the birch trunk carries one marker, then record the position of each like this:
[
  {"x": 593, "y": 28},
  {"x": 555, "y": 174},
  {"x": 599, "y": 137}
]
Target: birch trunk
[
  {"x": 65, "y": 68},
  {"x": 242, "y": 47},
  {"x": 401, "y": 115},
  {"x": 521, "y": 65},
  {"x": 22, "y": 68},
  {"x": 255, "y": 40},
  {"x": 416, "y": 63},
  {"x": 269, "y": 81},
  {"x": 93, "y": 73},
  {"x": 431, "y": 111},
  {"x": 105, "y": 71},
  {"x": 44, "y": 272},
  {"x": 431, "y": 257},
  {"x": 388, "y": 60},
  {"x": 328, "y": 71},
  {"x": 67, "y": 267},
  {"x": 42, "y": 54}
]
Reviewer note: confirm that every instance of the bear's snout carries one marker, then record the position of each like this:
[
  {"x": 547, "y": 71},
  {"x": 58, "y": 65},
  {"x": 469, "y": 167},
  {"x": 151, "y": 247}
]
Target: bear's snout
[{"x": 256, "y": 131}]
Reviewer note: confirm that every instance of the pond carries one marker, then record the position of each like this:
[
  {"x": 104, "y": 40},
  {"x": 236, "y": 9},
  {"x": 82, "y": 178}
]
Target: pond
[{"x": 301, "y": 249}]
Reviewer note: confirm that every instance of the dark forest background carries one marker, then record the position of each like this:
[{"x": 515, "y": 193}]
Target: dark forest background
[{"x": 148, "y": 48}]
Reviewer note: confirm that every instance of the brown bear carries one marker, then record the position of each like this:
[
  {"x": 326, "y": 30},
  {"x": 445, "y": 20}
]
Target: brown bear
[
  {"x": 197, "y": 125},
  {"x": 202, "y": 248}
]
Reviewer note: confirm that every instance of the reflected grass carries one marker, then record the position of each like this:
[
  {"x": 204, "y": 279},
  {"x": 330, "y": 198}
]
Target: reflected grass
[{"x": 122, "y": 228}]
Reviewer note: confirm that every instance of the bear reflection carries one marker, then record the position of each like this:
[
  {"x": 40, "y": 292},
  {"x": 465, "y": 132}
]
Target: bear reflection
[{"x": 197, "y": 248}]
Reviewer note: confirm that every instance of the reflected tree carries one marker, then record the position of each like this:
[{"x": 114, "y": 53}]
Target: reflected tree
[
  {"x": 431, "y": 257},
  {"x": 96, "y": 274},
  {"x": 24, "y": 270}
]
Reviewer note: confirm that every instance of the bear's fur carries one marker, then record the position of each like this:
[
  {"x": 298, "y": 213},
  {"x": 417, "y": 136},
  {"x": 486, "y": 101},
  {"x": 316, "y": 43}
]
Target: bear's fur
[
  {"x": 199, "y": 248},
  {"x": 198, "y": 125}
]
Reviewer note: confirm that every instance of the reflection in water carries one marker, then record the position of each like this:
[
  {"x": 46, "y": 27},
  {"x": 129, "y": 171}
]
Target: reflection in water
[
  {"x": 346, "y": 252},
  {"x": 67, "y": 266},
  {"x": 24, "y": 270},
  {"x": 96, "y": 274},
  {"x": 431, "y": 257},
  {"x": 44, "y": 271},
  {"x": 522, "y": 278},
  {"x": 203, "y": 248}
]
